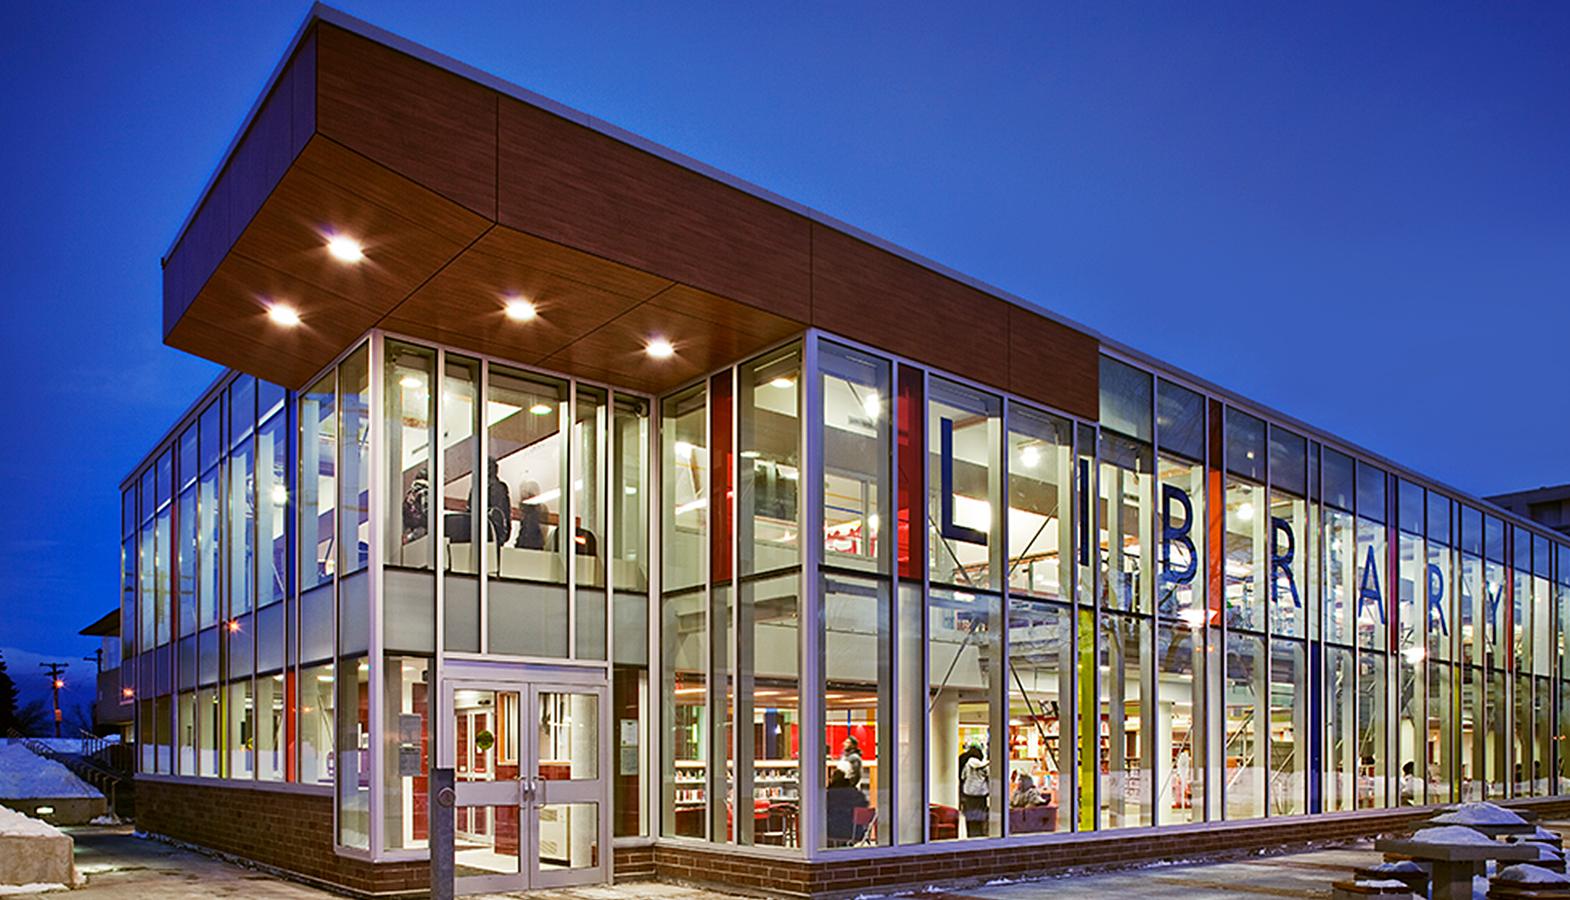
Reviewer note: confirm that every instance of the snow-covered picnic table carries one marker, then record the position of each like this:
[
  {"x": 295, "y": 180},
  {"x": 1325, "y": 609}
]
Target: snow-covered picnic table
[{"x": 1454, "y": 853}]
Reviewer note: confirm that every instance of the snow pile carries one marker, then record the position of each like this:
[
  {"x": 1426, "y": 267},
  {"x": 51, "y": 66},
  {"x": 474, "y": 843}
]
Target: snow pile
[
  {"x": 24, "y": 775},
  {"x": 1478, "y": 814},
  {"x": 1384, "y": 883},
  {"x": 1404, "y": 867},
  {"x": 7, "y": 889},
  {"x": 1452, "y": 834},
  {"x": 1526, "y": 873},
  {"x": 14, "y": 824}
]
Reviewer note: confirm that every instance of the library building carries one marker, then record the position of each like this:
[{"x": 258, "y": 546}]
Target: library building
[{"x": 569, "y": 511}]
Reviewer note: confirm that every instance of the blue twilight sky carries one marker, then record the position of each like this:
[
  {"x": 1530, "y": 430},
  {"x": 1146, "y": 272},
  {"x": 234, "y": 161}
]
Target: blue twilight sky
[{"x": 1357, "y": 213}]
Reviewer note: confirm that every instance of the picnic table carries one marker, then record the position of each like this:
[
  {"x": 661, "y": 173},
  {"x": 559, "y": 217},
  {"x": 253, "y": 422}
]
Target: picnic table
[{"x": 1453, "y": 865}]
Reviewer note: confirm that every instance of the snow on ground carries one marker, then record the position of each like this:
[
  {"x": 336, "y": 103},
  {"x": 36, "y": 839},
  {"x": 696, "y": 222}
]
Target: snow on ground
[
  {"x": 24, "y": 775},
  {"x": 14, "y": 824},
  {"x": 8, "y": 889}
]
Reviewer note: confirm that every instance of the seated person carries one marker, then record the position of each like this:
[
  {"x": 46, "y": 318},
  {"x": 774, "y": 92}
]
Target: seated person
[
  {"x": 1025, "y": 792},
  {"x": 844, "y": 799},
  {"x": 531, "y": 519}
]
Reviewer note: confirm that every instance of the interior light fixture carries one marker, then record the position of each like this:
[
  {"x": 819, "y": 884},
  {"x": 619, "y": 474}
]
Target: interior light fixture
[
  {"x": 280, "y": 495},
  {"x": 412, "y": 382},
  {"x": 750, "y": 454},
  {"x": 541, "y": 409},
  {"x": 1029, "y": 457},
  {"x": 345, "y": 249},
  {"x": 519, "y": 309},
  {"x": 872, "y": 404},
  {"x": 659, "y": 348},
  {"x": 283, "y": 314},
  {"x": 782, "y": 382},
  {"x": 1246, "y": 512}
]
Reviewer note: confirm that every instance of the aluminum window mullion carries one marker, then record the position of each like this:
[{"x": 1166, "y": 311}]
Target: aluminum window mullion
[
  {"x": 811, "y": 819},
  {"x": 376, "y": 675}
]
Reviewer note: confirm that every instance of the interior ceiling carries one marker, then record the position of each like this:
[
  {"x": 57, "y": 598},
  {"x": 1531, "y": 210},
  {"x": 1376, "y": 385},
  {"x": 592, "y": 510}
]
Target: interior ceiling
[{"x": 435, "y": 270}]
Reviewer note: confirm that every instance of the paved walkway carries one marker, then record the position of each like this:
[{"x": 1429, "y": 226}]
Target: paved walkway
[
  {"x": 118, "y": 865},
  {"x": 1306, "y": 874}
]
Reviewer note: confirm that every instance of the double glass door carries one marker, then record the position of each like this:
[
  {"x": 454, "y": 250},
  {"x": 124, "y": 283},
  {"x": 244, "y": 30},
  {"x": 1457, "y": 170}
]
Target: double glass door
[{"x": 529, "y": 785}]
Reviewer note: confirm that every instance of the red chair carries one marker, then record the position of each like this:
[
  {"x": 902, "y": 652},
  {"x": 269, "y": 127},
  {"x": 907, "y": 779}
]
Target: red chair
[{"x": 943, "y": 822}]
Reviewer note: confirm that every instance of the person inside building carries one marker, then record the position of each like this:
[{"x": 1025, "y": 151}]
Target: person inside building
[
  {"x": 844, "y": 799},
  {"x": 850, "y": 761},
  {"x": 531, "y": 518},
  {"x": 974, "y": 788},
  {"x": 1025, "y": 792}
]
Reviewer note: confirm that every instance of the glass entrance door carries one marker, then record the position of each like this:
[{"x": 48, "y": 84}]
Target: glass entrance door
[{"x": 529, "y": 786}]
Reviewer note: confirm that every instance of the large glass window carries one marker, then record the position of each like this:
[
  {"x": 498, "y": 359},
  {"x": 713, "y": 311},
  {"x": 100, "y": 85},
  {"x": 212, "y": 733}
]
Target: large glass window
[
  {"x": 527, "y": 471},
  {"x": 318, "y": 484},
  {"x": 1040, "y": 525},
  {"x": 410, "y": 411},
  {"x": 406, "y": 697},
  {"x": 683, "y": 615},
  {"x": 629, "y": 446},
  {"x": 1041, "y": 700},
  {"x": 272, "y": 511},
  {"x": 354, "y": 485},
  {"x": 1124, "y": 514},
  {"x": 1126, "y": 753},
  {"x": 965, "y": 741},
  {"x": 965, "y": 486},
  {"x": 588, "y": 522},
  {"x": 460, "y": 412},
  {"x": 1247, "y": 715},
  {"x": 242, "y": 529},
  {"x": 858, "y": 687}
]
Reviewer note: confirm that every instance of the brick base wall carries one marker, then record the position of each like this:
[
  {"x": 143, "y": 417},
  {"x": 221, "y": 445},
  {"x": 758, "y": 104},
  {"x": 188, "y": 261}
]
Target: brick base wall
[
  {"x": 292, "y": 832},
  {"x": 284, "y": 830},
  {"x": 633, "y": 863},
  {"x": 859, "y": 871}
]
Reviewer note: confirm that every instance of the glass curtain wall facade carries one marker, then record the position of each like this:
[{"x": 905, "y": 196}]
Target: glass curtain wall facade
[
  {"x": 1182, "y": 612},
  {"x": 1006, "y": 621},
  {"x": 293, "y": 565}
]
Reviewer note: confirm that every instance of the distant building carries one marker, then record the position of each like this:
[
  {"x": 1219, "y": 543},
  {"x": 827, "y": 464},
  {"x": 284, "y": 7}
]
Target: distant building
[
  {"x": 112, "y": 706},
  {"x": 1547, "y": 505}
]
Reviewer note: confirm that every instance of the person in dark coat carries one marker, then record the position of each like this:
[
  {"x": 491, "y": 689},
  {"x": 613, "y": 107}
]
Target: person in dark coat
[{"x": 844, "y": 799}]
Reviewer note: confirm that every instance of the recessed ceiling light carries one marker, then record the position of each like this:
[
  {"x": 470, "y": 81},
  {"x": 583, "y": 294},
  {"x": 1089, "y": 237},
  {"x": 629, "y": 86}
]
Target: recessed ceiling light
[
  {"x": 750, "y": 454},
  {"x": 519, "y": 309},
  {"x": 783, "y": 382},
  {"x": 541, "y": 409},
  {"x": 660, "y": 348},
  {"x": 412, "y": 382},
  {"x": 283, "y": 314},
  {"x": 345, "y": 249}
]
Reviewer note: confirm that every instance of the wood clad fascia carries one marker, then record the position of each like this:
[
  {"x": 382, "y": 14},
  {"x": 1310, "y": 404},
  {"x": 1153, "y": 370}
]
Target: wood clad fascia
[
  {"x": 1051, "y": 363},
  {"x": 273, "y": 138},
  {"x": 871, "y": 295},
  {"x": 566, "y": 183},
  {"x": 428, "y": 124}
]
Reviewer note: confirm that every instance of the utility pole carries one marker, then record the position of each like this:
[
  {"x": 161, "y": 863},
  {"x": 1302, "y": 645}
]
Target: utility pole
[{"x": 56, "y": 682}]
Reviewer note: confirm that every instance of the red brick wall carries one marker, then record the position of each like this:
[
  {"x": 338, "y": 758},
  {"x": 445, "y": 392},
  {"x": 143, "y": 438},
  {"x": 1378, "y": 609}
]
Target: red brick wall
[
  {"x": 967, "y": 864},
  {"x": 293, "y": 832},
  {"x": 284, "y": 830}
]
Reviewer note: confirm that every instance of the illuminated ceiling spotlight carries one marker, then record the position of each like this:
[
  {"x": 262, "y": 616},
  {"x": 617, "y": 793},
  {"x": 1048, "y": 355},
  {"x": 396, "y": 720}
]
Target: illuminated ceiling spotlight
[
  {"x": 345, "y": 249},
  {"x": 782, "y": 382},
  {"x": 283, "y": 314},
  {"x": 411, "y": 382},
  {"x": 519, "y": 309},
  {"x": 659, "y": 348},
  {"x": 541, "y": 409}
]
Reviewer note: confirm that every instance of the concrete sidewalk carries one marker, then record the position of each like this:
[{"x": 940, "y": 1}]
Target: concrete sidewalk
[
  {"x": 1306, "y": 874},
  {"x": 119, "y": 865}
]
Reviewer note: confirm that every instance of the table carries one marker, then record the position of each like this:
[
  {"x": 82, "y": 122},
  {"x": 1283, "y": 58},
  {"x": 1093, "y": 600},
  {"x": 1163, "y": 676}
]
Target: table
[{"x": 1454, "y": 864}]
